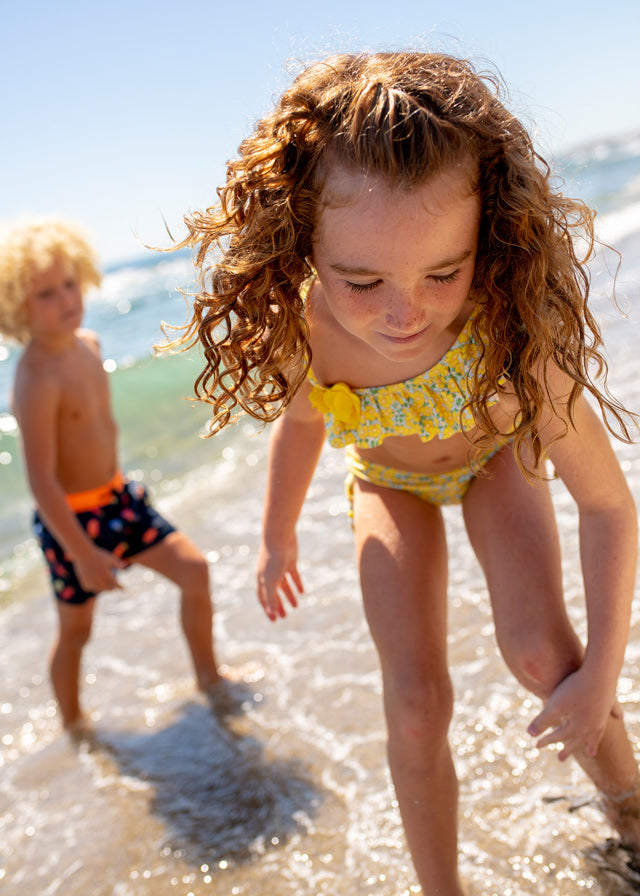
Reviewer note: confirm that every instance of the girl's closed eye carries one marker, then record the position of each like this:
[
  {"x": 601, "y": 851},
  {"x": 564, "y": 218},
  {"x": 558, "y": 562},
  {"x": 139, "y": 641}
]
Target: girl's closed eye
[
  {"x": 362, "y": 287},
  {"x": 435, "y": 278},
  {"x": 445, "y": 278}
]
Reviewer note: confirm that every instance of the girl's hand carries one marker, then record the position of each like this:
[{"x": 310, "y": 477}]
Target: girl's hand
[
  {"x": 577, "y": 714},
  {"x": 278, "y": 579}
]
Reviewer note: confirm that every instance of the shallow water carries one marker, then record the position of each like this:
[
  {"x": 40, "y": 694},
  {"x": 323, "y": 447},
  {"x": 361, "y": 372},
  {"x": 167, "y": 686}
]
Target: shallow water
[{"x": 289, "y": 795}]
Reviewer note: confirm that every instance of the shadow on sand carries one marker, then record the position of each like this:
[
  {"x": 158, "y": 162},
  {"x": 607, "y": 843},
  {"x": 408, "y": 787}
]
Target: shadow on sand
[{"x": 213, "y": 787}]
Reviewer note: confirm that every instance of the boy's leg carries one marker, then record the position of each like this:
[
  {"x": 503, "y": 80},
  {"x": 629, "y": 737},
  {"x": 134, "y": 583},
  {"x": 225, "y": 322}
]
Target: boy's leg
[
  {"x": 66, "y": 656},
  {"x": 177, "y": 558},
  {"x": 402, "y": 558},
  {"x": 512, "y": 527}
]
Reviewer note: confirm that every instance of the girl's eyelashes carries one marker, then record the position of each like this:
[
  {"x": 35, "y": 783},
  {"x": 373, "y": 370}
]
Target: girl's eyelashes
[
  {"x": 362, "y": 287},
  {"x": 435, "y": 278},
  {"x": 446, "y": 278}
]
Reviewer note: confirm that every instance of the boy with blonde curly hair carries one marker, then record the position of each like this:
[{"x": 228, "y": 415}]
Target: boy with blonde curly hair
[{"x": 90, "y": 520}]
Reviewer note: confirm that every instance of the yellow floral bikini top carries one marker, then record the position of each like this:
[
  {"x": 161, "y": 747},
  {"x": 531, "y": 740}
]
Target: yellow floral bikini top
[{"x": 431, "y": 405}]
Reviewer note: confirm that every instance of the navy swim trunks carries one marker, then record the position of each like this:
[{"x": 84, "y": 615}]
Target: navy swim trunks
[{"x": 125, "y": 526}]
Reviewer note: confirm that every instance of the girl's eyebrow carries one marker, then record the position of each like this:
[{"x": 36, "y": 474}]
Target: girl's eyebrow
[{"x": 366, "y": 272}]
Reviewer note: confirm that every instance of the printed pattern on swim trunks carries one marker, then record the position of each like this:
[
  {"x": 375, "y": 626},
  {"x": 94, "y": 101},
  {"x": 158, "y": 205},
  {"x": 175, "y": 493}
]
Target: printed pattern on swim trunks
[{"x": 125, "y": 527}]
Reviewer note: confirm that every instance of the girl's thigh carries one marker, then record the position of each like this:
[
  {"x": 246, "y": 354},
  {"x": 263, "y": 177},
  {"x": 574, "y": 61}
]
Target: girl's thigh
[
  {"x": 512, "y": 527},
  {"x": 402, "y": 558}
]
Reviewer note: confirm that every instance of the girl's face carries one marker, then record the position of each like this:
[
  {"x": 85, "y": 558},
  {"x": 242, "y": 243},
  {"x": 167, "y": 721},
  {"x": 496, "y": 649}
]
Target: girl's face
[
  {"x": 54, "y": 302},
  {"x": 396, "y": 265}
]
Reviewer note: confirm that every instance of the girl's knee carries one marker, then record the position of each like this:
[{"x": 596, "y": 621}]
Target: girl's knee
[
  {"x": 540, "y": 661},
  {"x": 418, "y": 715}
]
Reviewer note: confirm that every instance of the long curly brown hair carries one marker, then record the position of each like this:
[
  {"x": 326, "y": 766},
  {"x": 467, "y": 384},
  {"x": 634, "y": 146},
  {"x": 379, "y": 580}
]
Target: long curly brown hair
[{"x": 405, "y": 116}]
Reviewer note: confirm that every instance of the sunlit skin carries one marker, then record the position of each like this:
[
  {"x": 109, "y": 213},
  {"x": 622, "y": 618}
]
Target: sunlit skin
[
  {"x": 394, "y": 273},
  {"x": 396, "y": 267},
  {"x": 62, "y": 403},
  {"x": 65, "y": 361},
  {"x": 54, "y": 305}
]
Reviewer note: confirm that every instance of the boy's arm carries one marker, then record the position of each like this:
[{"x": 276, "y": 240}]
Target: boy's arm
[
  {"x": 296, "y": 441},
  {"x": 36, "y": 403},
  {"x": 584, "y": 459}
]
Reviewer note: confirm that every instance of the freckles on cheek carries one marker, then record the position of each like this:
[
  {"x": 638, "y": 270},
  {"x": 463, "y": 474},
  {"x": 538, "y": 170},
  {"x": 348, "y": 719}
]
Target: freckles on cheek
[{"x": 359, "y": 305}]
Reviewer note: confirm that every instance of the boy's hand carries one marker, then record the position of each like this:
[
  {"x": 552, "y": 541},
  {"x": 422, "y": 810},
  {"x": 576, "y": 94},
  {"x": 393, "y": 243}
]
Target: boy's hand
[
  {"x": 278, "y": 578},
  {"x": 577, "y": 713},
  {"x": 96, "y": 570}
]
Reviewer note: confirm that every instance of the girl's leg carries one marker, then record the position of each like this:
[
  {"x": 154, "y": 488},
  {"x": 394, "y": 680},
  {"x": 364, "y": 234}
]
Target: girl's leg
[
  {"x": 66, "y": 656},
  {"x": 180, "y": 561},
  {"x": 512, "y": 528},
  {"x": 403, "y": 569}
]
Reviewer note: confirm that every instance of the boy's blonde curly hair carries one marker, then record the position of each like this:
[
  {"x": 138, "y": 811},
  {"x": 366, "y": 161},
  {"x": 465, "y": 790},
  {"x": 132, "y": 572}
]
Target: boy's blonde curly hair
[
  {"x": 26, "y": 251},
  {"x": 404, "y": 116}
]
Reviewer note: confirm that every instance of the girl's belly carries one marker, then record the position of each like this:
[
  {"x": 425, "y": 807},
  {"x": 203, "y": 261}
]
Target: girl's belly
[
  {"x": 436, "y": 456},
  {"x": 444, "y": 455}
]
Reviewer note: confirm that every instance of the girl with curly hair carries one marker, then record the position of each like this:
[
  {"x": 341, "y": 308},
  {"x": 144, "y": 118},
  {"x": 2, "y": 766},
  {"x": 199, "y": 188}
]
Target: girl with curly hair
[{"x": 389, "y": 265}]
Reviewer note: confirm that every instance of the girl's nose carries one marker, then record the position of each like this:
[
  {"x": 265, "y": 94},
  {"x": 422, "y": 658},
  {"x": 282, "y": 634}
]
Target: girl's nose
[{"x": 405, "y": 312}]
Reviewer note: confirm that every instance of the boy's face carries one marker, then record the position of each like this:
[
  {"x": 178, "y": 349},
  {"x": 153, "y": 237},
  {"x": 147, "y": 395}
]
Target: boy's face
[{"x": 54, "y": 303}]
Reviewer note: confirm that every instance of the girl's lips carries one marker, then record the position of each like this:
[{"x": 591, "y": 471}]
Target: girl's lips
[{"x": 406, "y": 340}]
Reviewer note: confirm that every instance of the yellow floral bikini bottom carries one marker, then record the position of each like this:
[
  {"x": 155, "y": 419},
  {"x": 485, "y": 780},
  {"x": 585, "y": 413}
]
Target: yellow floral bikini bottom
[{"x": 435, "y": 488}]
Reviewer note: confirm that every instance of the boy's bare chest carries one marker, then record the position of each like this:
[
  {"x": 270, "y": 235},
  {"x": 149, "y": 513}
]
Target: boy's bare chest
[{"x": 84, "y": 392}]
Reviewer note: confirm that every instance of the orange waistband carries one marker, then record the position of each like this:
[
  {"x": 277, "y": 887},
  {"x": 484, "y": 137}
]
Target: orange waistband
[{"x": 80, "y": 502}]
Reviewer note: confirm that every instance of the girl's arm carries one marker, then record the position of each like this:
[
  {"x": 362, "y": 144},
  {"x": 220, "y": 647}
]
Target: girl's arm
[
  {"x": 296, "y": 441},
  {"x": 584, "y": 459}
]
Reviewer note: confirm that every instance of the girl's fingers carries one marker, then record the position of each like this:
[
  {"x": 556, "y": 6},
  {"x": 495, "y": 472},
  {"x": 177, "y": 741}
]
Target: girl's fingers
[
  {"x": 271, "y": 599},
  {"x": 286, "y": 589},
  {"x": 557, "y": 736},
  {"x": 578, "y": 742},
  {"x": 297, "y": 581}
]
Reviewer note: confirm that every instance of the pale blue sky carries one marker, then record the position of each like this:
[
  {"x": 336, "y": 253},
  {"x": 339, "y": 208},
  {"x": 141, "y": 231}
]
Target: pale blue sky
[{"x": 119, "y": 113}]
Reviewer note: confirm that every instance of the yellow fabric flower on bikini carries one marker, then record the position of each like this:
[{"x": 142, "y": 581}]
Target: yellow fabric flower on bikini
[
  {"x": 339, "y": 401},
  {"x": 431, "y": 405}
]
